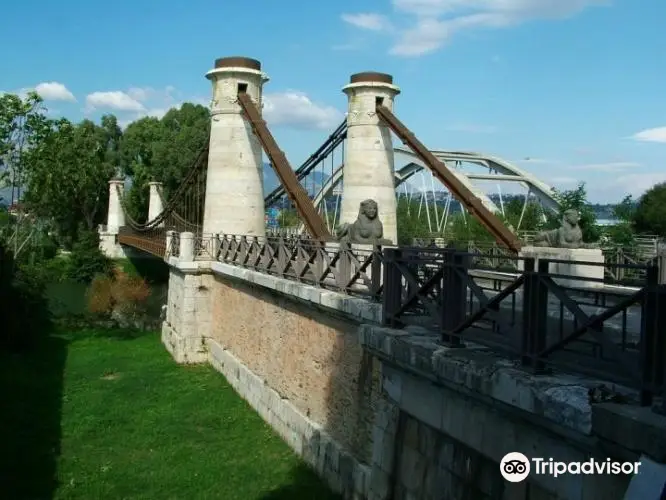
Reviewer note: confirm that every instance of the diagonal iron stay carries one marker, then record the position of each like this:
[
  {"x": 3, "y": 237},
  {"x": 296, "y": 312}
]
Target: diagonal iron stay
[{"x": 492, "y": 222}]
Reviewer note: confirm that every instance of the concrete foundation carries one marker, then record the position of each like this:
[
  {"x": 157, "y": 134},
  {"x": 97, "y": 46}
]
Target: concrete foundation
[
  {"x": 234, "y": 184},
  {"x": 369, "y": 164},
  {"x": 108, "y": 244},
  {"x": 585, "y": 272}
]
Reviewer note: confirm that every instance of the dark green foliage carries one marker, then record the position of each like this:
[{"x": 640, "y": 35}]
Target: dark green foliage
[
  {"x": 86, "y": 260},
  {"x": 25, "y": 313},
  {"x": 161, "y": 150},
  {"x": 650, "y": 214},
  {"x": 410, "y": 224},
  {"x": 532, "y": 219},
  {"x": 151, "y": 269}
]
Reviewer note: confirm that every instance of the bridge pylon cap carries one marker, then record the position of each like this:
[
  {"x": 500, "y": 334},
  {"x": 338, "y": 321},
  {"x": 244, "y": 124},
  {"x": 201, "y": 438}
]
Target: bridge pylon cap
[
  {"x": 371, "y": 77},
  {"x": 238, "y": 62}
]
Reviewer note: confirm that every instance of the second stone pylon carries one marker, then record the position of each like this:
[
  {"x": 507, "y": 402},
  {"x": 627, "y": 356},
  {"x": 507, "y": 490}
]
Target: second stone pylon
[{"x": 368, "y": 171}]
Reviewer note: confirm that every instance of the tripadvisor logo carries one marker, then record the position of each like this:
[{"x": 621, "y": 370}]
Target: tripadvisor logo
[{"x": 515, "y": 467}]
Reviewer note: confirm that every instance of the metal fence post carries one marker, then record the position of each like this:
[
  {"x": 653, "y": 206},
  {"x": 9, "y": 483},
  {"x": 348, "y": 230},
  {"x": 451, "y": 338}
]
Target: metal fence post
[
  {"x": 454, "y": 294},
  {"x": 392, "y": 296},
  {"x": 653, "y": 339},
  {"x": 535, "y": 314}
]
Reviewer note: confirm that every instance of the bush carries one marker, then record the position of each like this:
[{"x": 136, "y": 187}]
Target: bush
[
  {"x": 120, "y": 295},
  {"x": 87, "y": 260}
]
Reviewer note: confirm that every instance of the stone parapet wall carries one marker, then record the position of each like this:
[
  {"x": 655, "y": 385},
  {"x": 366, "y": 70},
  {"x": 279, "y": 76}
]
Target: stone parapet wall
[{"x": 309, "y": 356}]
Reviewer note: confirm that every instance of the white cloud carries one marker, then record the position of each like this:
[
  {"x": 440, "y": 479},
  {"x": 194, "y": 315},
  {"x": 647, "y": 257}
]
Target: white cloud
[
  {"x": 54, "y": 91},
  {"x": 372, "y": 22},
  {"x": 114, "y": 99},
  {"x": 295, "y": 109},
  {"x": 651, "y": 135},
  {"x": 636, "y": 184},
  {"x": 433, "y": 22}
]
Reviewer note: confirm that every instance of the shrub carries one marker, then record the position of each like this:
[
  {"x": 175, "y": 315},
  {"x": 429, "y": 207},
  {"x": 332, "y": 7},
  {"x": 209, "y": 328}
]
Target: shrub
[
  {"x": 87, "y": 260},
  {"x": 118, "y": 294}
]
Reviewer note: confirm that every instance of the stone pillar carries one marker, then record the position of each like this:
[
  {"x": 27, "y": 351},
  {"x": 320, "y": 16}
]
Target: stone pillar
[
  {"x": 116, "y": 216},
  {"x": 368, "y": 169},
  {"x": 186, "y": 253},
  {"x": 155, "y": 205},
  {"x": 235, "y": 182}
]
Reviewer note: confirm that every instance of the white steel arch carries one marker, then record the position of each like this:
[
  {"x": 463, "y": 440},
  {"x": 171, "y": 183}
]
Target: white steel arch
[{"x": 505, "y": 172}]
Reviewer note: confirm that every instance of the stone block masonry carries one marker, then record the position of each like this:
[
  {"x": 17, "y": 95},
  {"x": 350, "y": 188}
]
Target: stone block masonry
[
  {"x": 188, "y": 317},
  {"x": 341, "y": 470},
  {"x": 310, "y": 357},
  {"x": 386, "y": 414}
]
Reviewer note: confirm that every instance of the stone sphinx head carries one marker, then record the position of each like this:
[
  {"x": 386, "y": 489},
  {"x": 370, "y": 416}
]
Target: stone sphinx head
[
  {"x": 571, "y": 217},
  {"x": 369, "y": 209}
]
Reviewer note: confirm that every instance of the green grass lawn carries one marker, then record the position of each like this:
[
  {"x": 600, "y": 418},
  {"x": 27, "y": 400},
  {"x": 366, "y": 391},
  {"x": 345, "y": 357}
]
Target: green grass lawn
[{"x": 108, "y": 415}]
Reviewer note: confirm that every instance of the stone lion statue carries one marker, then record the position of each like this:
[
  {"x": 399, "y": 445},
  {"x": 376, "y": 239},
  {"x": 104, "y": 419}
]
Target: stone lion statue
[
  {"x": 366, "y": 229},
  {"x": 568, "y": 235}
]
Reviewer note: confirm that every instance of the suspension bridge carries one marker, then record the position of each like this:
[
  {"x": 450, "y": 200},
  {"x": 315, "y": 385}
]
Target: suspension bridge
[{"x": 223, "y": 191}]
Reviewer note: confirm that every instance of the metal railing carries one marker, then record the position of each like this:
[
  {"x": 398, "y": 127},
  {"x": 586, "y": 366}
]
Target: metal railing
[
  {"x": 543, "y": 318},
  {"x": 533, "y": 310},
  {"x": 352, "y": 269}
]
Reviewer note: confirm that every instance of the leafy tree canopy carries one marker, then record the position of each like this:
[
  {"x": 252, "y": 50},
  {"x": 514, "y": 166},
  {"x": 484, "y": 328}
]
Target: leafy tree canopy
[
  {"x": 650, "y": 213},
  {"x": 162, "y": 150},
  {"x": 23, "y": 126},
  {"x": 68, "y": 179}
]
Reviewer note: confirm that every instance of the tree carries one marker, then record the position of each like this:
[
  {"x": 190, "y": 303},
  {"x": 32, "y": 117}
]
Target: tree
[
  {"x": 530, "y": 219},
  {"x": 622, "y": 233},
  {"x": 410, "y": 224},
  {"x": 650, "y": 213},
  {"x": 162, "y": 150},
  {"x": 23, "y": 126},
  {"x": 68, "y": 179}
]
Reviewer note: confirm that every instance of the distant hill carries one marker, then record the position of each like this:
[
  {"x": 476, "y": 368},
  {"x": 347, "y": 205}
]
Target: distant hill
[{"x": 314, "y": 181}]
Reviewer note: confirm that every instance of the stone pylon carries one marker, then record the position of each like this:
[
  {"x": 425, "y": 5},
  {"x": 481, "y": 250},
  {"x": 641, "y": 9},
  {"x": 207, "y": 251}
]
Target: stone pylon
[
  {"x": 235, "y": 182},
  {"x": 368, "y": 171}
]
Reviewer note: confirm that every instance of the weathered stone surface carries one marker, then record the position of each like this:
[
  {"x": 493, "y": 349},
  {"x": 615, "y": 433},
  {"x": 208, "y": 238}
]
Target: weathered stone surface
[
  {"x": 366, "y": 229},
  {"x": 568, "y": 235},
  {"x": 637, "y": 429},
  {"x": 311, "y": 358},
  {"x": 341, "y": 470},
  {"x": 562, "y": 398}
]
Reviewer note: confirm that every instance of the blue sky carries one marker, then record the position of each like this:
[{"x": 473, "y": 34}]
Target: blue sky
[{"x": 576, "y": 86}]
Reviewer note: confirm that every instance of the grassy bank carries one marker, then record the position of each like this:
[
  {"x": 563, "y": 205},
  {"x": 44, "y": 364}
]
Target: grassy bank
[{"x": 109, "y": 415}]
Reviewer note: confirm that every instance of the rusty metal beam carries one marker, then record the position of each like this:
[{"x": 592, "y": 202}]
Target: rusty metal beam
[
  {"x": 314, "y": 223},
  {"x": 474, "y": 206}
]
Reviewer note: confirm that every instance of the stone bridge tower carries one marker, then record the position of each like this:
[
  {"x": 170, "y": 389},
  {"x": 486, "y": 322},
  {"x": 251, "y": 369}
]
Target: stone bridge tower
[
  {"x": 369, "y": 167},
  {"x": 235, "y": 182}
]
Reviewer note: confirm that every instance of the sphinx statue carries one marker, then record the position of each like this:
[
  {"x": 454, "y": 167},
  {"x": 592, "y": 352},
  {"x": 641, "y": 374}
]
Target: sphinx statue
[
  {"x": 366, "y": 229},
  {"x": 568, "y": 235}
]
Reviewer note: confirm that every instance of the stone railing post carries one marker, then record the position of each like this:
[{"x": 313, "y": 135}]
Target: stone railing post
[{"x": 186, "y": 247}]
